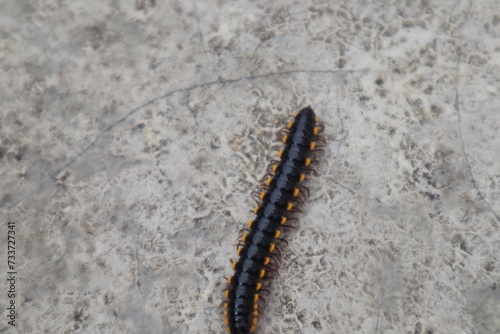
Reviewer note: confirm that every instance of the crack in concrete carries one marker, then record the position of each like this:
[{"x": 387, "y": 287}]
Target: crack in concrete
[{"x": 219, "y": 81}]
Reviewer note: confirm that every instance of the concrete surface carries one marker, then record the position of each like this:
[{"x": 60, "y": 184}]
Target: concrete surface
[{"x": 133, "y": 132}]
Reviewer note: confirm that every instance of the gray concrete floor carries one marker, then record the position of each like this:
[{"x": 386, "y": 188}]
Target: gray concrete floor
[{"x": 133, "y": 132}]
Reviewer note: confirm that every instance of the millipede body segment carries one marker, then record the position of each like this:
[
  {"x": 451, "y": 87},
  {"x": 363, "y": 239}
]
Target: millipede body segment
[{"x": 257, "y": 249}]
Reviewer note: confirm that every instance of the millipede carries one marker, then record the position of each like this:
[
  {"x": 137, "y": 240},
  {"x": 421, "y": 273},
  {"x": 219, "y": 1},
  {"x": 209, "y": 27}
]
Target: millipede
[{"x": 280, "y": 194}]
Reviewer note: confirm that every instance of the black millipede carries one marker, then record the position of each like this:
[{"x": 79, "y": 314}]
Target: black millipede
[{"x": 282, "y": 193}]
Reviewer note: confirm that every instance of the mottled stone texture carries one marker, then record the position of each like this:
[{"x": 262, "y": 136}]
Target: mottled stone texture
[{"x": 132, "y": 134}]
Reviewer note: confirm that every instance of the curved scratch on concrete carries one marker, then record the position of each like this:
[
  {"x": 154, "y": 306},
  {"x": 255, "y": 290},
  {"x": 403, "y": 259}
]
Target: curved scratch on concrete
[{"x": 219, "y": 81}]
